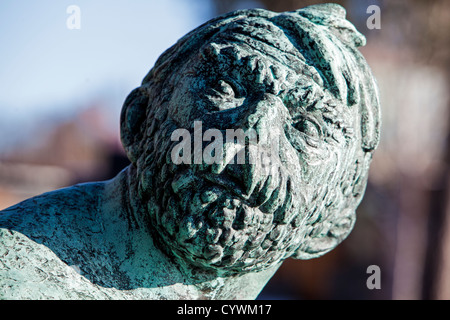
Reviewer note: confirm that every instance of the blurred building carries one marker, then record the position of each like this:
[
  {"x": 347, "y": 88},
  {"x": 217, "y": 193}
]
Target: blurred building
[{"x": 78, "y": 149}]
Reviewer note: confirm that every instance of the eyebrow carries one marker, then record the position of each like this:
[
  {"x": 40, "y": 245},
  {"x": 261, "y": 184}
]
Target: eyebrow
[
  {"x": 243, "y": 39},
  {"x": 298, "y": 67}
]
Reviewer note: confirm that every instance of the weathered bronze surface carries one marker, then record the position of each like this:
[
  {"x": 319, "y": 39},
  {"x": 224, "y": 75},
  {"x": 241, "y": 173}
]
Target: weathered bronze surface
[{"x": 250, "y": 141}]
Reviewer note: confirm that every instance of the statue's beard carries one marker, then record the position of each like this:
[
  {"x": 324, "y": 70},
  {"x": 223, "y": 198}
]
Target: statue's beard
[{"x": 235, "y": 221}]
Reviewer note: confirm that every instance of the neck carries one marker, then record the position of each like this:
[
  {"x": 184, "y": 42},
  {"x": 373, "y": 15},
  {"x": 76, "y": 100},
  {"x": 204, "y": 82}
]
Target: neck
[
  {"x": 138, "y": 221},
  {"x": 134, "y": 206},
  {"x": 148, "y": 267}
]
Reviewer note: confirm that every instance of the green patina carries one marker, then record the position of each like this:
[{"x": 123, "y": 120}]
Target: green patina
[{"x": 220, "y": 229}]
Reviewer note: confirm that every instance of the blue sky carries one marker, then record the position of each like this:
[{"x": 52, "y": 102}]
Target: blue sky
[{"x": 46, "y": 67}]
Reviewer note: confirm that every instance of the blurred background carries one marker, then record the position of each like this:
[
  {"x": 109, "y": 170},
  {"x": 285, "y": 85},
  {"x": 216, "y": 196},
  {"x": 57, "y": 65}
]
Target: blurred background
[{"x": 62, "y": 88}]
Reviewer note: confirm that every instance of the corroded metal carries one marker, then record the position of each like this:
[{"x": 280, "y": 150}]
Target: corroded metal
[{"x": 188, "y": 218}]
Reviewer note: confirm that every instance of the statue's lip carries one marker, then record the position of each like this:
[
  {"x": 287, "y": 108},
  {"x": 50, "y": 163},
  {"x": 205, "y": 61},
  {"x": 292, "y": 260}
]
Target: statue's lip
[
  {"x": 228, "y": 183},
  {"x": 254, "y": 197}
]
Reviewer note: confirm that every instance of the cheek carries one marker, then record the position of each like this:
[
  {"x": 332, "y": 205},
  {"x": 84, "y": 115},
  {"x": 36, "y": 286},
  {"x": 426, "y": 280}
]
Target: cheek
[
  {"x": 332, "y": 171},
  {"x": 324, "y": 167},
  {"x": 184, "y": 100}
]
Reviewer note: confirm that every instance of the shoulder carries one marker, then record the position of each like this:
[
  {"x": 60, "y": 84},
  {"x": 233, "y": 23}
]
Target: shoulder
[
  {"x": 37, "y": 241},
  {"x": 49, "y": 207},
  {"x": 29, "y": 270},
  {"x": 21, "y": 262},
  {"x": 65, "y": 221}
]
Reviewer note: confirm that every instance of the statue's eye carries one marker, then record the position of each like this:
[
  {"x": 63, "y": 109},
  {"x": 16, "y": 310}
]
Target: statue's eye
[
  {"x": 227, "y": 89},
  {"x": 224, "y": 88},
  {"x": 225, "y": 95},
  {"x": 311, "y": 130}
]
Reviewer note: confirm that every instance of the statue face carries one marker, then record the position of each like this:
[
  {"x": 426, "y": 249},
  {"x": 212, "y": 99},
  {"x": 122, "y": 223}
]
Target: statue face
[
  {"x": 300, "y": 101},
  {"x": 250, "y": 216}
]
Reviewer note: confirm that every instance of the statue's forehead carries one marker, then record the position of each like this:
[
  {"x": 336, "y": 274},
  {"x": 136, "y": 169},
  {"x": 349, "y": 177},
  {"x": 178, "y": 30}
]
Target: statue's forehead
[
  {"x": 224, "y": 55},
  {"x": 243, "y": 62}
]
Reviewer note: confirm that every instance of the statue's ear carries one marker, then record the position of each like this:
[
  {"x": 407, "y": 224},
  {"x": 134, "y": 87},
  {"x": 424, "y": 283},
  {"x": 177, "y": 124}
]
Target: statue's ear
[
  {"x": 132, "y": 122},
  {"x": 316, "y": 244}
]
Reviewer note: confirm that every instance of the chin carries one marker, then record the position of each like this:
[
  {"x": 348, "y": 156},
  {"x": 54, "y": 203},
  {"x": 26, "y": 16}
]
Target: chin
[{"x": 211, "y": 222}]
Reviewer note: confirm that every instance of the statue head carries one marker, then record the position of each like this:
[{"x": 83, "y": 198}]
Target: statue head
[{"x": 296, "y": 76}]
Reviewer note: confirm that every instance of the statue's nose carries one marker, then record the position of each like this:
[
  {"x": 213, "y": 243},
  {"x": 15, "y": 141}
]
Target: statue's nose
[
  {"x": 261, "y": 122},
  {"x": 264, "y": 113}
]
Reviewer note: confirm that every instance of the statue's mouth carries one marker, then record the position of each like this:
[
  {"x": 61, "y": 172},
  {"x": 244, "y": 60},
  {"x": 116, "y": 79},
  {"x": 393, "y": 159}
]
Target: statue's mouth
[
  {"x": 254, "y": 191},
  {"x": 233, "y": 186}
]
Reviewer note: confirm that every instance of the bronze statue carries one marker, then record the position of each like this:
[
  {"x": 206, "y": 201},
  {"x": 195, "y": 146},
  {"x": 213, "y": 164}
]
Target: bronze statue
[{"x": 185, "y": 222}]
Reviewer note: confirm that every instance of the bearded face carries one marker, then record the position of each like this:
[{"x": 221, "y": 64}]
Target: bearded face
[{"x": 302, "y": 171}]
